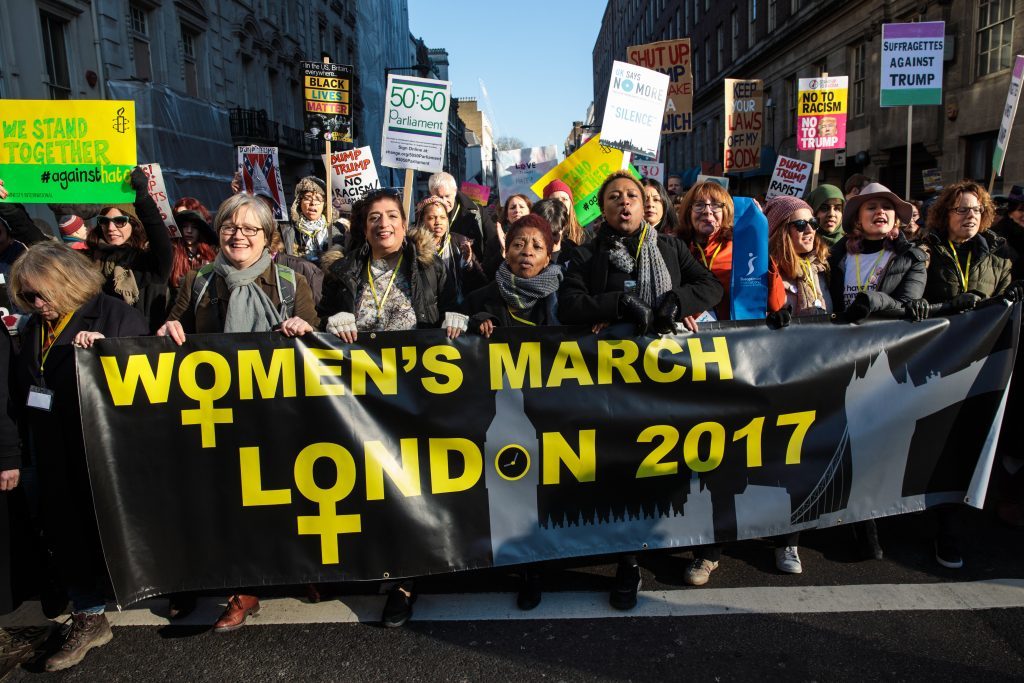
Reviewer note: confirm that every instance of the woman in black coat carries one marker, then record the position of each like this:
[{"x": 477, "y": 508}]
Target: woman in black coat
[
  {"x": 10, "y": 472},
  {"x": 63, "y": 291}
]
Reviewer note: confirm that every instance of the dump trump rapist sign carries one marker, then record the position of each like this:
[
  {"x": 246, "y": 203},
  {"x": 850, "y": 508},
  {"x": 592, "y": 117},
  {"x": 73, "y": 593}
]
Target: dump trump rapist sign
[{"x": 912, "y": 63}]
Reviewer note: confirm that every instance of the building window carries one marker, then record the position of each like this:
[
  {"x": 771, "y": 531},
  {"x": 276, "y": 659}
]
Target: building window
[
  {"x": 58, "y": 76},
  {"x": 791, "y": 94},
  {"x": 994, "y": 36},
  {"x": 708, "y": 50},
  {"x": 858, "y": 92},
  {"x": 696, "y": 12},
  {"x": 139, "y": 25},
  {"x": 720, "y": 37},
  {"x": 752, "y": 24},
  {"x": 772, "y": 15},
  {"x": 188, "y": 48},
  {"x": 794, "y": 6},
  {"x": 734, "y": 47}
]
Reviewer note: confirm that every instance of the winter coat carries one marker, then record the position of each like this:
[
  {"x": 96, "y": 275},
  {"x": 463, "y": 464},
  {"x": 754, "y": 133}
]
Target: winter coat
[
  {"x": 208, "y": 316},
  {"x": 54, "y": 441},
  {"x": 903, "y": 280},
  {"x": 592, "y": 287},
  {"x": 336, "y": 236},
  {"x": 469, "y": 219},
  {"x": 1013, "y": 233},
  {"x": 151, "y": 266},
  {"x": 313, "y": 273},
  {"x": 461, "y": 278},
  {"x": 426, "y": 274},
  {"x": 10, "y": 459},
  {"x": 487, "y": 303},
  {"x": 989, "y": 273}
]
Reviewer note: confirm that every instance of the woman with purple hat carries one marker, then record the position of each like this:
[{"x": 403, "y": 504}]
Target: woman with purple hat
[{"x": 800, "y": 255}]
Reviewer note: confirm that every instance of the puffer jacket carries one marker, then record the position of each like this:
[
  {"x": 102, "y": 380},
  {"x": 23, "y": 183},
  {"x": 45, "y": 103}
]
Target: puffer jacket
[
  {"x": 904, "y": 278},
  {"x": 989, "y": 273}
]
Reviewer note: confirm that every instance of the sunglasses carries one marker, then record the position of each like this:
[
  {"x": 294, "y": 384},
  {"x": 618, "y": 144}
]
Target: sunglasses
[
  {"x": 802, "y": 225},
  {"x": 119, "y": 221},
  {"x": 32, "y": 297}
]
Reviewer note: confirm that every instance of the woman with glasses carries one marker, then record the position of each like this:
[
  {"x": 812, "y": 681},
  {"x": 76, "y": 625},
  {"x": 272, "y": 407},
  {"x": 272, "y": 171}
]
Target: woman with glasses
[
  {"x": 311, "y": 233},
  {"x": 706, "y": 226},
  {"x": 800, "y": 255},
  {"x": 64, "y": 292},
  {"x": 132, "y": 247},
  {"x": 658, "y": 209}
]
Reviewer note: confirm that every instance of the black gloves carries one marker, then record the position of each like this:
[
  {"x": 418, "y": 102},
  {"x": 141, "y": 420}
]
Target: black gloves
[
  {"x": 964, "y": 302},
  {"x": 667, "y": 313},
  {"x": 139, "y": 181},
  {"x": 637, "y": 312},
  {"x": 1015, "y": 292},
  {"x": 859, "y": 308},
  {"x": 917, "y": 309},
  {"x": 780, "y": 318}
]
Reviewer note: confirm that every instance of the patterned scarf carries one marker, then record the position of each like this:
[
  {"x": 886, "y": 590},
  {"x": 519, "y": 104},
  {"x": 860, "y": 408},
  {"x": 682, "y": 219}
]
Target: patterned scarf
[
  {"x": 311, "y": 236},
  {"x": 653, "y": 280},
  {"x": 522, "y": 293},
  {"x": 808, "y": 290}
]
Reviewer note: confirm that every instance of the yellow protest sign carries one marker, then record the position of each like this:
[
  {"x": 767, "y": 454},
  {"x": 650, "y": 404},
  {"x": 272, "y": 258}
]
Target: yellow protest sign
[
  {"x": 67, "y": 151},
  {"x": 583, "y": 171}
]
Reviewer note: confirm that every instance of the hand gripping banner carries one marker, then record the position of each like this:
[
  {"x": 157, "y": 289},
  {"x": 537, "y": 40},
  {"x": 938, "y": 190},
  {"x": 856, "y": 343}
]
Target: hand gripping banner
[{"x": 252, "y": 459}]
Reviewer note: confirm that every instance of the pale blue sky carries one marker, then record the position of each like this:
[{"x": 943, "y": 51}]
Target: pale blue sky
[{"x": 535, "y": 58}]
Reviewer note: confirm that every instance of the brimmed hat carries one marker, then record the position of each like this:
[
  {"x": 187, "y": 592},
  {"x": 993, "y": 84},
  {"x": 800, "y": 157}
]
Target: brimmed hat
[
  {"x": 196, "y": 219},
  {"x": 904, "y": 210}
]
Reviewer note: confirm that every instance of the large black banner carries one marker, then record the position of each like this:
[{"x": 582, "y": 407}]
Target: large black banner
[{"x": 247, "y": 460}]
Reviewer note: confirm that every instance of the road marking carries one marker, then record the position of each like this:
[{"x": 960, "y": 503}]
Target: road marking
[{"x": 991, "y": 594}]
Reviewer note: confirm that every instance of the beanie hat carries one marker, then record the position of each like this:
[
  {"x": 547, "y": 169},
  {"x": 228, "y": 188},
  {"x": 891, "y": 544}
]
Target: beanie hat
[
  {"x": 532, "y": 220},
  {"x": 779, "y": 209},
  {"x": 557, "y": 186},
  {"x": 823, "y": 193},
  {"x": 69, "y": 225}
]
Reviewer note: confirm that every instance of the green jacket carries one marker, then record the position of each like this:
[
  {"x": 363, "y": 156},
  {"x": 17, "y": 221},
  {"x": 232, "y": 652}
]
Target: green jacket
[{"x": 988, "y": 275}]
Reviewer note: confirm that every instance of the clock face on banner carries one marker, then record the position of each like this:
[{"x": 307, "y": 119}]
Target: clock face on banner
[{"x": 512, "y": 462}]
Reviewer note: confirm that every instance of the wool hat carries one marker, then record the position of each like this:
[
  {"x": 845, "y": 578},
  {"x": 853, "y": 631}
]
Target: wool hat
[
  {"x": 69, "y": 225},
  {"x": 557, "y": 186},
  {"x": 822, "y": 194},
  {"x": 779, "y": 209},
  {"x": 904, "y": 210},
  {"x": 307, "y": 184}
]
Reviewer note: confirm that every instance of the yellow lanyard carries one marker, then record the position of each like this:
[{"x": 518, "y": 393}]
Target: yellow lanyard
[
  {"x": 516, "y": 317},
  {"x": 641, "y": 245},
  {"x": 445, "y": 243},
  {"x": 379, "y": 303},
  {"x": 956, "y": 262},
  {"x": 704, "y": 258},
  {"x": 44, "y": 350},
  {"x": 811, "y": 276},
  {"x": 863, "y": 286}
]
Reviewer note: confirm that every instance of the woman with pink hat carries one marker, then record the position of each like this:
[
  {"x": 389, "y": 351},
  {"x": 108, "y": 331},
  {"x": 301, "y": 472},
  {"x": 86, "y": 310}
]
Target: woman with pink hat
[{"x": 800, "y": 255}]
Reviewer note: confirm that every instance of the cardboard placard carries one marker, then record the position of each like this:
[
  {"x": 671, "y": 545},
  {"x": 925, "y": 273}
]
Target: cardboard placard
[
  {"x": 158, "y": 191},
  {"x": 671, "y": 57},
  {"x": 744, "y": 123},
  {"x": 354, "y": 175},
  {"x": 519, "y": 169},
  {"x": 480, "y": 194},
  {"x": 261, "y": 174},
  {"x": 789, "y": 178},
  {"x": 912, "y": 63},
  {"x": 415, "y": 123},
  {"x": 821, "y": 113},
  {"x": 634, "y": 110},
  {"x": 327, "y": 95},
  {"x": 1009, "y": 113}
]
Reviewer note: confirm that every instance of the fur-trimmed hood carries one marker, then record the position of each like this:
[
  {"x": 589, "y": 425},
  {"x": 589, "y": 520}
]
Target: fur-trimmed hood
[{"x": 308, "y": 184}]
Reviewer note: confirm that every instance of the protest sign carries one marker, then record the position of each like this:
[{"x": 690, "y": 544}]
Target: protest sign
[
  {"x": 789, "y": 178},
  {"x": 480, "y": 194},
  {"x": 671, "y": 57},
  {"x": 654, "y": 170},
  {"x": 67, "y": 151},
  {"x": 158, "y": 191},
  {"x": 327, "y": 94},
  {"x": 574, "y": 445},
  {"x": 261, "y": 175},
  {"x": 354, "y": 174},
  {"x": 912, "y": 63},
  {"x": 821, "y": 113},
  {"x": 583, "y": 171},
  {"x": 932, "y": 179},
  {"x": 518, "y": 169},
  {"x": 744, "y": 121},
  {"x": 634, "y": 109},
  {"x": 1009, "y": 112},
  {"x": 721, "y": 180},
  {"x": 415, "y": 123}
]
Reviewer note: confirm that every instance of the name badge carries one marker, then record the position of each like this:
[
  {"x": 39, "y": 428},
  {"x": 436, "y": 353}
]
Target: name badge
[{"x": 40, "y": 398}]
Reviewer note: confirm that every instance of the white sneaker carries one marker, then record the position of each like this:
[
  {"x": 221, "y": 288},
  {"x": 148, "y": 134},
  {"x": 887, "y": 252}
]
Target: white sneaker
[
  {"x": 699, "y": 571},
  {"x": 788, "y": 560}
]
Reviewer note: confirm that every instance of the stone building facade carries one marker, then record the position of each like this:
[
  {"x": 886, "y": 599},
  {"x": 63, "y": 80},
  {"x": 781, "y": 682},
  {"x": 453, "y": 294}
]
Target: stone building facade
[{"x": 781, "y": 41}]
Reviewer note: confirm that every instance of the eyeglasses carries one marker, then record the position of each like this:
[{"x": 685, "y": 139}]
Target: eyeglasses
[
  {"x": 802, "y": 225},
  {"x": 964, "y": 210},
  {"x": 716, "y": 207},
  {"x": 32, "y": 297},
  {"x": 119, "y": 221},
  {"x": 228, "y": 230}
]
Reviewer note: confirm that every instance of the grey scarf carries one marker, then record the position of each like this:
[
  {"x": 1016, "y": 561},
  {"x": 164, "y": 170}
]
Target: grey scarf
[
  {"x": 249, "y": 307},
  {"x": 652, "y": 276},
  {"x": 522, "y": 293}
]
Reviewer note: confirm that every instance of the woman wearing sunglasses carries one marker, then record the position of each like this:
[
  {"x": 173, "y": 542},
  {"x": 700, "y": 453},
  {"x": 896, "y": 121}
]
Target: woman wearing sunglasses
[
  {"x": 800, "y": 255},
  {"x": 63, "y": 291},
  {"x": 132, "y": 248}
]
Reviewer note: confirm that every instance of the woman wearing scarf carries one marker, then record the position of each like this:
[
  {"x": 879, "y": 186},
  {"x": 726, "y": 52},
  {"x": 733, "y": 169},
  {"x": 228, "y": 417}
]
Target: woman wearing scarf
[
  {"x": 827, "y": 202},
  {"x": 800, "y": 256},
  {"x": 463, "y": 273},
  {"x": 63, "y": 291},
  {"x": 197, "y": 245},
  {"x": 132, "y": 248},
  {"x": 310, "y": 232},
  {"x": 242, "y": 290},
  {"x": 658, "y": 209},
  {"x": 631, "y": 273}
]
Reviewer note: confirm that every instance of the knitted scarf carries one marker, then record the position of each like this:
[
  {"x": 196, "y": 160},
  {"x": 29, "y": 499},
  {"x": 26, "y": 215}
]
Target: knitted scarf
[
  {"x": 522, "y": 293},
  {"x": 311, "y": 235},
  {"x": 808, "y": 289},
  {"x": 249, "y": 307},
  {"x": 123, "y": 278},
  {"x": 653, "y": 280}
]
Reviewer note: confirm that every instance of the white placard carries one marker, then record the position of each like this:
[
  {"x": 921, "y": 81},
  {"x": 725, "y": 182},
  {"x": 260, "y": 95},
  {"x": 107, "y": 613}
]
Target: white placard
[
  {"x": 655, "y": 170},
  {"x": 1009, "y": 112},
  {"x": 415, "y": 123},
  {"x": 158, "y": 191},
  {"x": 912, "y": 63},
  {"x": 720, "y": 179},
  {"x": 634, "y": 110},
  {"x": 518, "y": 169},
  {"x": 355, "y": 174},
  {"x": 789, "y": 178}
]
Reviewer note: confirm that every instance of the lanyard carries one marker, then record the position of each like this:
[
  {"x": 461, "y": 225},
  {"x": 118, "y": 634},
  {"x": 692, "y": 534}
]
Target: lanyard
[
  {"x": 704, "y": 258},
  {"x": 522, "y": 320},
  {"x": 444, "y": 244},
  {"x": 44, "y": 350},
  {"x": 641, "y": 245},
  {"x": 956, "y": 262},
  {"x": 863, "y": 286},
  {"x": 379, "y": 303},
  {"x": 810, "y": 275}
]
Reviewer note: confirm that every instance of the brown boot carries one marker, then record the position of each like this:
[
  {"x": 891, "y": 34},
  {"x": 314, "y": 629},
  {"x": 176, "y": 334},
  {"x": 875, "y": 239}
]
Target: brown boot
[
  {"x": 239, "y": 607},
  {"x": 87, "y": 631}
]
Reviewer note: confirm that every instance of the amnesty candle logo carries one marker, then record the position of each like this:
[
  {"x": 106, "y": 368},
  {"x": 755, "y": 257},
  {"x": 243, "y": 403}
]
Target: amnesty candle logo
[{"x": 121, "y": 122}]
